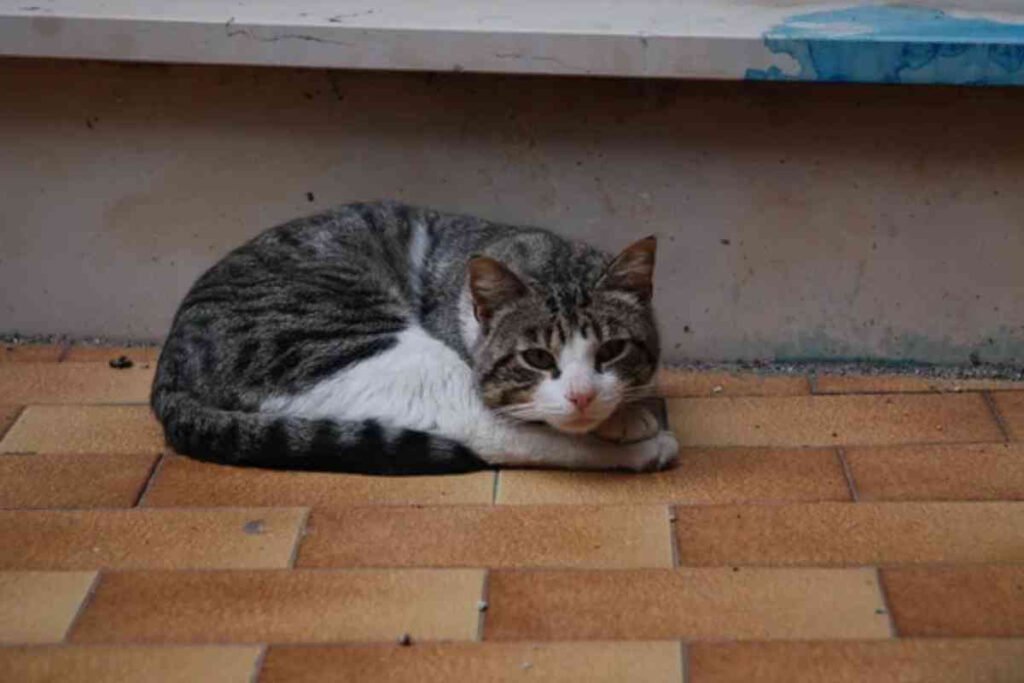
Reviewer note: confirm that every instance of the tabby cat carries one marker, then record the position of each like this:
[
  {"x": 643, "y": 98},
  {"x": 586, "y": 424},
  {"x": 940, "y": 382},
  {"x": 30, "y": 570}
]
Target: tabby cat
[{"x": 389, "y": 339}]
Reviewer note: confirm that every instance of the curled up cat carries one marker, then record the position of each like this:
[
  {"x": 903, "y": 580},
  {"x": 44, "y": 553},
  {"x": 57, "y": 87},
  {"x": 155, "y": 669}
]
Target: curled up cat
[{"x": 388, "y": 339}]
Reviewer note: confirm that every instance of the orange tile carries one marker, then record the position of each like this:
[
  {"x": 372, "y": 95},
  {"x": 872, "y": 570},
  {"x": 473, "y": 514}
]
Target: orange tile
[
  {"x": 73, "y": 383},
  {"x": 292, "y": 606},
  {"x": 939, "y": 472},
  {"x": 30, "y": 353},
  {"x": 964, "y": 602},
  {"x": 895, "y": 661},
  {"x": 689, "y": 604},
  {"x": 139, "y": 355},
  {"x": 833, "y": 420},
  {"x": 73, "y": 481},
  {"x": 847, "y": 534},
  {"x": 701, "y": 475},
  {"x": 84, "y": 429},
  {"x": 183, "y": 538},
  {"x": 881, "y": 384},
  {"x": 1011, "y": 406},
  {"x": 38, "y": 607},
  {"x": 182, "y": 481},
  {"x": 470, "y": 536},
  {"x": 111, "y": 664},
  {"x": 680, "y": 383},
  {"x": 8, "y": 414},
  {"x": 476, "y": 662}
]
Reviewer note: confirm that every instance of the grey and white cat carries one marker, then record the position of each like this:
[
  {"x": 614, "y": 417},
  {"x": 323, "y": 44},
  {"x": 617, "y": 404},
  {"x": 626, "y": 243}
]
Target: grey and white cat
[{"x": 385, "y": 338}]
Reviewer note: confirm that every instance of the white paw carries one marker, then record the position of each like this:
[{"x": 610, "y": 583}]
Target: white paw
[
  {"x": 656, "y": 453},
  {"x": 630, "y": 423}
]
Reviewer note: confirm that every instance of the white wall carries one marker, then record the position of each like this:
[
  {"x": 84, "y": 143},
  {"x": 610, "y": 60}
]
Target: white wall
[{"x": 861, "y": 220}]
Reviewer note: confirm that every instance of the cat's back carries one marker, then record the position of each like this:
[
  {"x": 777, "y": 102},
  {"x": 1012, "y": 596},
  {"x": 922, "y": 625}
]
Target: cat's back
[{"x": 315, "y": 295}]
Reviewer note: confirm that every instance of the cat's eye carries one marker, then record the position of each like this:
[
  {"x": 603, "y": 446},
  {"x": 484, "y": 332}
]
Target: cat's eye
[
  {"x": 538, "y": 359},
  {"x": 610, "y": 350}
]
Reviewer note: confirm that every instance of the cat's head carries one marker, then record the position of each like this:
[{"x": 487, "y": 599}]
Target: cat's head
[{"x": 566, "y": 352}]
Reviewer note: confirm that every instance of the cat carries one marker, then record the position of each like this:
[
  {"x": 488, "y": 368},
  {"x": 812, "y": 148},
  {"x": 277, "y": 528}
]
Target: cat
[{"x": 382, "y": 338}]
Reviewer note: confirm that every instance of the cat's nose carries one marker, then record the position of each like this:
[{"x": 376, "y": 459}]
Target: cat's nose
[{"x": 582, "y": 399}]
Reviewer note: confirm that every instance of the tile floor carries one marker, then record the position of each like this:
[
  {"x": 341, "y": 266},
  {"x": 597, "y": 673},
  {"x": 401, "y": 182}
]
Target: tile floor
[{"x": 815, "y": 529}]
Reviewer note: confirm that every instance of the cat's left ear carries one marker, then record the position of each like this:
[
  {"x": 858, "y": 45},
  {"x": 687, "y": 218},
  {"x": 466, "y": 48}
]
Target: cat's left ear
[
  {"x": 492, "y": 286},
  {"x": 633, "y": 270}
]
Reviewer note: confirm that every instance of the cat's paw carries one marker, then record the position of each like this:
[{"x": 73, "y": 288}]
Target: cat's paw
[
  {"x": 656, "y": 453},
  {"x": 630, "y": 423}
]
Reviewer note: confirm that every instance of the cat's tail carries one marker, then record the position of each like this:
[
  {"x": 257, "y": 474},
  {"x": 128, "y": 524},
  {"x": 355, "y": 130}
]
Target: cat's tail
[{"x": 291, "y": 443}]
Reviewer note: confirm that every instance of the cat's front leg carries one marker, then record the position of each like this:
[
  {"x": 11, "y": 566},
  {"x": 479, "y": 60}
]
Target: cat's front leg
[
  {"x": 631, "y": 422},
  {"x": 516, "y": 444}
]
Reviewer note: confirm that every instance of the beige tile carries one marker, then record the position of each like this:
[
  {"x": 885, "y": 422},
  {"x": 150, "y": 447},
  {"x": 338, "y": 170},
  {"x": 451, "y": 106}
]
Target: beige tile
[
  {"x": 964, "y": 602},
  {"x": 939, "y": 472},
  {"x": 291, "y": 606},
  {"x": 84, "y": 429},
  {"x": 1011, "y": 406},
  {"x": 73, "y": 481},
  {"x": 470, "y": 536},
  {"x": 701, "y": 475},
  {"x": 182, "y": 481},
  {"x": 477, "y": 663},
  {"x": 140, "y": 355},
  {"x": 847, "y": 534},
  {"x": 73, "y": 383},
  {"x": 38, "y": 607},
  {"x": 182, "y": 538},
  {"x": 832, "y": 420},
  {"x": 680, "y": 383},
  {"x": 8, "y": 414},
  {"x": 111, "y": 664},
  {"x": 30, "y": 353},
  {"x": 695, "y": 604},
  {"x": 895, "y": 661},
  {"x": 878, "y": 384}
]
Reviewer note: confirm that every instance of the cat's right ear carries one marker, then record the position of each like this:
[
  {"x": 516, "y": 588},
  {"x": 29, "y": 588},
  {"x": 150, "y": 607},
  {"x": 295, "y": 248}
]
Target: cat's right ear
[{"x": 492, "y": 286}]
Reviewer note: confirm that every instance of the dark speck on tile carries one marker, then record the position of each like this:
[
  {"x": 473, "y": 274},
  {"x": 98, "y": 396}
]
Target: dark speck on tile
[{"x": 255, "y": 527}]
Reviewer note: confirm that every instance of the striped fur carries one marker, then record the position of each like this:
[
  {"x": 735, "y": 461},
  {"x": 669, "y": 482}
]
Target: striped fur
[{"x": 305, "y": 306}]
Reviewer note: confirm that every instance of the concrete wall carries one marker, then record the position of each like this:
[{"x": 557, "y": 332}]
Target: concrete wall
[{"x": 809, "y": 221}]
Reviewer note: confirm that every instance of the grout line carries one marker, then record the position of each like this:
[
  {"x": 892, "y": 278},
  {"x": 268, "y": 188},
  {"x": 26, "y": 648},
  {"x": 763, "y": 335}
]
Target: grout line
[
  {"x": 86, "y": 599},
  {"x": 298, "y": 538},
  {"x": 996, "y": 415},
  {"x": 257, "y": 668},
  {"x": 672, "y": 538},
  {"x": 684, "y": 661},
  {"x": 483, "y": 606},
  {"x": 157, "y": 464},
  {"x": 494, "y": 490},
  {"x": 847, "y": 473},
  {"x": 886, "y": 603},
  {"x": 17, "y": 416}
]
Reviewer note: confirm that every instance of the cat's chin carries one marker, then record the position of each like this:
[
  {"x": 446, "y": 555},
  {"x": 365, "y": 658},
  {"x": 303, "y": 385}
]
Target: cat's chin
[{"x": 578, "y": 426}]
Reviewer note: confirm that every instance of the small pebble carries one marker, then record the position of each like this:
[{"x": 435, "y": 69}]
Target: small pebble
[
  {"x": 255, "y": 527},
  {"x": 482, "y": 605},
  {"x": 405, "y": 640},
  {"x": 121, "y": 363}
]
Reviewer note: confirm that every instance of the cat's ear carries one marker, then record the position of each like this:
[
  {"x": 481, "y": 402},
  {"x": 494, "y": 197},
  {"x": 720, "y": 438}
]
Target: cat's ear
[
  {"x": 492, "y": 286},
  {"x": 633, "y": 270}
]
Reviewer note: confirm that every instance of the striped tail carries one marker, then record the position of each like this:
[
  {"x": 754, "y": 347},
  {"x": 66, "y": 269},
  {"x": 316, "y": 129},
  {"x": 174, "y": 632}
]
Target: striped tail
[{"x": 291, "y": 443}]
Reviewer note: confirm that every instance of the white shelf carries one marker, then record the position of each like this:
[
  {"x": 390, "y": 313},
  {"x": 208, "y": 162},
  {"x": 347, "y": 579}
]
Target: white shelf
[{"x": 972, "y": 41}]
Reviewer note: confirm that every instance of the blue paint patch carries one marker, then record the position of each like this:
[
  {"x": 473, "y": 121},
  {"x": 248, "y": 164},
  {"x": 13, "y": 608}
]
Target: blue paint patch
[{"x": 895, "y": 44}]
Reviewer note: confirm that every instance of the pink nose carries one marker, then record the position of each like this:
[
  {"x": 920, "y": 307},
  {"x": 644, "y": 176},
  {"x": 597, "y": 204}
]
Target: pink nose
[{"x": 582, "y": 399}]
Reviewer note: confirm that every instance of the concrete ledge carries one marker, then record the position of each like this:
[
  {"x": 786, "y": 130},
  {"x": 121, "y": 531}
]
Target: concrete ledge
[{"x": 969, "y": 42}]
